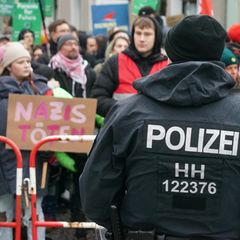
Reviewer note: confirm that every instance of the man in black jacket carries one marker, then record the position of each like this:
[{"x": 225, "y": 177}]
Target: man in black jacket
[
  {"x": 168, "y": 157},
  {"x": 56, "y": 30},
  {"x": 75, "y": 76},
  {"x": 143, "y": 57},
  {"x": 73, "y": 73}
]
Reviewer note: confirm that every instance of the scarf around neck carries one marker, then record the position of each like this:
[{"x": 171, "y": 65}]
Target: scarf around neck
[{"x": 74, "y": 68}]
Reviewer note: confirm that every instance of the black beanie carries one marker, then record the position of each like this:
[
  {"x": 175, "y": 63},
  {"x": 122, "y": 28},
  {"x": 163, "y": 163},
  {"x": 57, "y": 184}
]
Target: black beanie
[
  {"x": 196, "y": 38},
  {"x": 63, "y": 39},
  {"x": 146, "y": 11}
]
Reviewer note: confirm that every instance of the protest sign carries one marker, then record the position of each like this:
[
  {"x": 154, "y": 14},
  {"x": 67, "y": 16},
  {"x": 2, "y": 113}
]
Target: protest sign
[
  {"x": 26, "y": 16},
  {"x": 6, "y": 7},
  {"x": 30, "y": 118},
  {"x": 138, "y": 4},
  {"x": 105, "y": 17}
]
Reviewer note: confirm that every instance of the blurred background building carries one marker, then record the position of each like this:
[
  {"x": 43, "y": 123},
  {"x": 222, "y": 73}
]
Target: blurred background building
[
  {"x": 85, "y": 14},
  {"x": 79, "y": 11}
]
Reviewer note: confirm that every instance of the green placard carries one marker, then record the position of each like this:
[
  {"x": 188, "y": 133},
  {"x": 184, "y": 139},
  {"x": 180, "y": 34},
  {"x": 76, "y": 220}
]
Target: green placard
[
  {"x": 48, "y": 7},
  {"x": 26, "y": 15},
  {"x": 6, "y": 7},
  {"x": 137, "y": 4},
  {"x": 28, "y": 1}
]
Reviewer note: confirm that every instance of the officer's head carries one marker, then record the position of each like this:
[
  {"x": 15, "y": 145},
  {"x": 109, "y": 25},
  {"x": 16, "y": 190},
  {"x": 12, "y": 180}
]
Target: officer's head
[{"x": 196, "y": 38}]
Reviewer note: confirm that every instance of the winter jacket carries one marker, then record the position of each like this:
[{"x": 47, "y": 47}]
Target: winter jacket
[
  {"x": 53, "y": 47},
  {"x": 128, "y": 72},
  {"x": 67, "y": 83},
  {"x": 42, "y": 69},
  {"x": 76, "y": 91},
  {"x": 108, "y": 80},
  {"x": 7, "y": 157},
  {"x": 168, "y": 157}
]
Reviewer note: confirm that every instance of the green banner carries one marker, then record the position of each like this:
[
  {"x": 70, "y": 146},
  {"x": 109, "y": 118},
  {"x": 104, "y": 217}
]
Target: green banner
[
  {"x": 137, "y": 4},
  {"x": 27, "y": 1},
  {"x": 6, "y": 7},
  {"x": 27, "y": 15},
  {"x": 48, "y": 7}
]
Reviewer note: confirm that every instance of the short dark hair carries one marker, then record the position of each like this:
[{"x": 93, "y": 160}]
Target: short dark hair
[
  {"x": 23, "y": 32},
  {"x": 53, "y": 26},
  {"x": 37, "y": 47},
  {"x": 146, "y": 11},
  {"x": 4, "y": 38}
]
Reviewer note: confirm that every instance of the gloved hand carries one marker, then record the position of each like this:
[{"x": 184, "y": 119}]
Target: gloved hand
[
  {"x": 99, "y": 121},
  {"x": 65, "y": 161}
]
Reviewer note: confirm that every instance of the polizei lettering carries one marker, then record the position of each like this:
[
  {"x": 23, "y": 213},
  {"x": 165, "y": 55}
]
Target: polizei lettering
[{"x": 192, "y": 139}]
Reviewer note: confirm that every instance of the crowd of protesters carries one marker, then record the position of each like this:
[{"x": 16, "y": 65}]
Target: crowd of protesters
[{"x": 85, "y": 66}]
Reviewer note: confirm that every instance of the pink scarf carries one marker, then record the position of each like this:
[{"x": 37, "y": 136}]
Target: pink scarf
[{"x": 74, "y": 68}]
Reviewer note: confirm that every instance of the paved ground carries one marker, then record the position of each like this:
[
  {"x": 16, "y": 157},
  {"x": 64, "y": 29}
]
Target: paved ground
[{"x": 66, "y": 233}]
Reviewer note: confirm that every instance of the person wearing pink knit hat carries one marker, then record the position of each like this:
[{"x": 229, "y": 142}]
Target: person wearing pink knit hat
[
  {"x": 9, "y": 54},
  {"x": 16, "y": 77}
]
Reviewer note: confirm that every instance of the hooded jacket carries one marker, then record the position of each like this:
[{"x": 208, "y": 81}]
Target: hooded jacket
[
  {"x": 108, "y": 79},
  {"x": 9, "y": 85},
  {"x": 168, "y": 157}
]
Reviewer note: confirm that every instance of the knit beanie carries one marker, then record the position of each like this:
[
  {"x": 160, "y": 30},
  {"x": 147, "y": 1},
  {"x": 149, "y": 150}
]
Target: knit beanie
[
  {"x": 10, "y": 53},
  {"x": 146, "y": 11},
  {"x": 63, "y": 39},
  {"x": 234, "y": 33},
  {"x": 228, "y": 57},
  {"x": 196, "y": 38}
]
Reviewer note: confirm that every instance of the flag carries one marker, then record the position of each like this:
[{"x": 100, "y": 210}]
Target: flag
[{"x": 205, "y": 7}]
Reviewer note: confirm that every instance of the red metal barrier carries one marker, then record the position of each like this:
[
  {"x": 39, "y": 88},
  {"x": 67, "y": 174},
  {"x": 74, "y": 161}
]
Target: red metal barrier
[
  {"x": 17, "y": 223},
  {"x": 33, "y": 190}
]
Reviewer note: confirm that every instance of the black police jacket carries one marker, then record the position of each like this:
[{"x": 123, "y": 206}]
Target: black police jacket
[{"x": 168, "y": 156}]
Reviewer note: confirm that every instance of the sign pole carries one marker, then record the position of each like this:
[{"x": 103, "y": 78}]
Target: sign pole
[{"x": 43, "y": 19}]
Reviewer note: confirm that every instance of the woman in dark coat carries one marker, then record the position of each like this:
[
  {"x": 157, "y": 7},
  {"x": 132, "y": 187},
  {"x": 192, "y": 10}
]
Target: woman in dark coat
[{"x": 16, "y": 77}]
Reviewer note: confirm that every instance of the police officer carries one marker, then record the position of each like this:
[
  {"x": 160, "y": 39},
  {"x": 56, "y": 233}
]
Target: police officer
[{"x": 168, "y": 157}]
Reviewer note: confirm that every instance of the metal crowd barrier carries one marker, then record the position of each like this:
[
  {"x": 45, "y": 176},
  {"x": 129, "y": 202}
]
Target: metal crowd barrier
[
  {"x": 33, "y": 190},
  {"x": 19, "y": 171}
]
